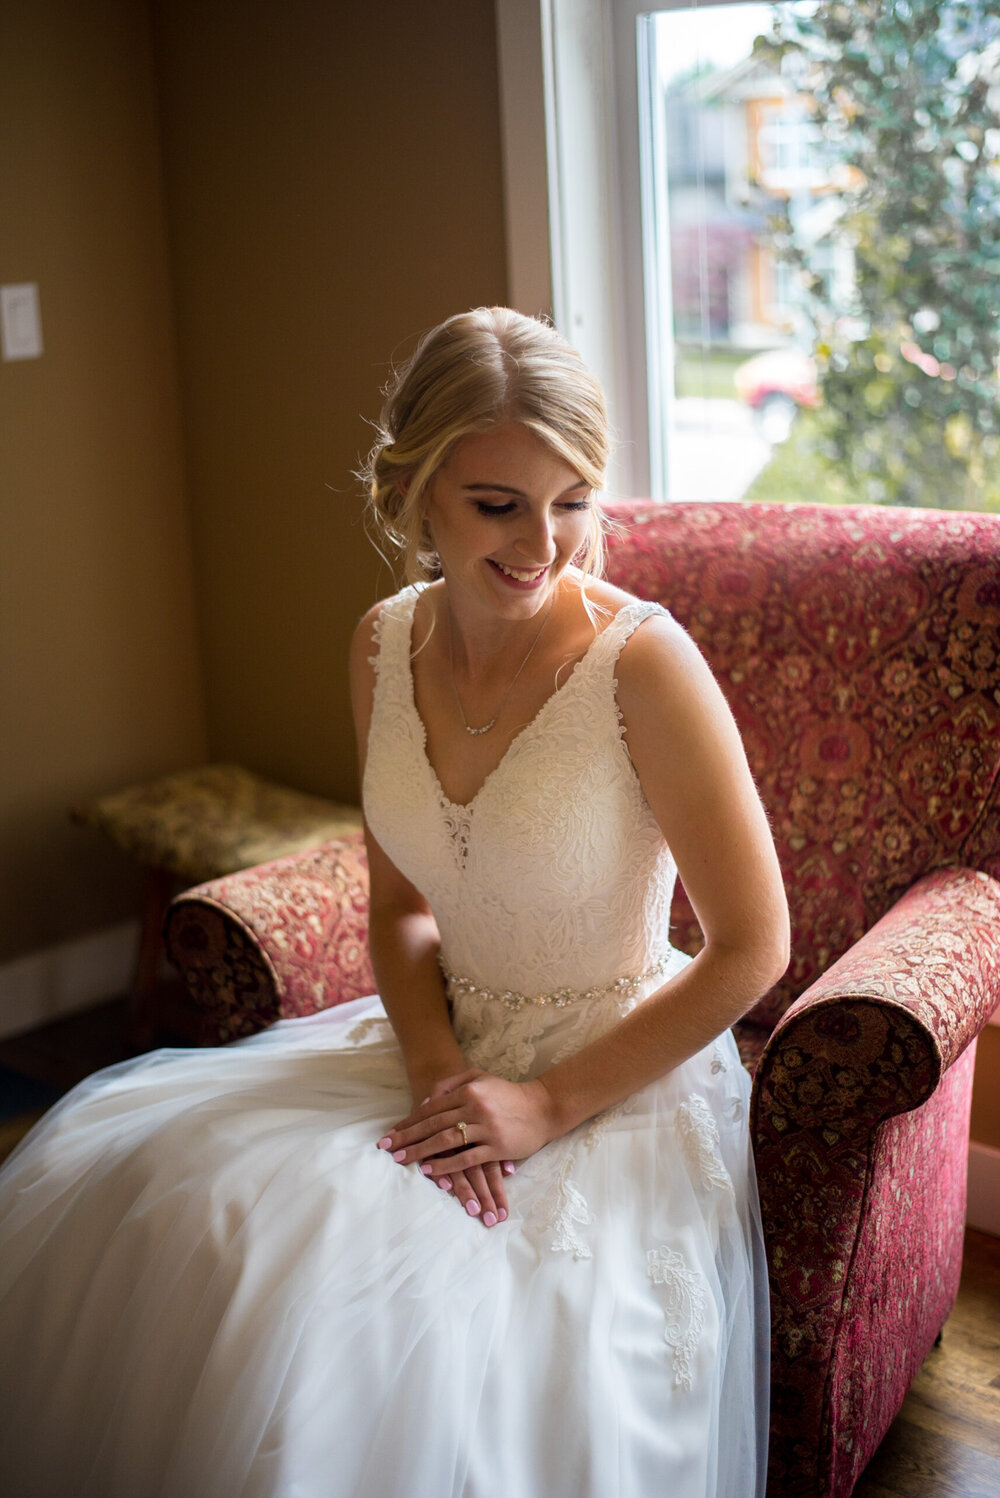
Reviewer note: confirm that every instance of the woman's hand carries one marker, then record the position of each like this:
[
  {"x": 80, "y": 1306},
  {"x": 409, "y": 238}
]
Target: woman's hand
[{"x": 504, "y": 1122}]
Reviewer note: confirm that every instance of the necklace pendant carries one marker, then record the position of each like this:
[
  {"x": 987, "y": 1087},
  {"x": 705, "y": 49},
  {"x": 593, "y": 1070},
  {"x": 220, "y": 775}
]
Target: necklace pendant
[{"x": 475, "y": 732}]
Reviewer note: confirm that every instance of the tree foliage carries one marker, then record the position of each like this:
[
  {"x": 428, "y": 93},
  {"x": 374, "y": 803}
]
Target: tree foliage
[{"x": 908, "y": 96}]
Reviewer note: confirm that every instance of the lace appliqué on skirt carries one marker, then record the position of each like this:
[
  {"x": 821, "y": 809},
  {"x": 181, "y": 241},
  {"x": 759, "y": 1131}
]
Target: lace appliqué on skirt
[
  {"x": 375, "y": 1024},
  {"x": 684, "y": 1309},
  {"x": 566, "y": 1215},
  {"x": 701, "y": 1144}
]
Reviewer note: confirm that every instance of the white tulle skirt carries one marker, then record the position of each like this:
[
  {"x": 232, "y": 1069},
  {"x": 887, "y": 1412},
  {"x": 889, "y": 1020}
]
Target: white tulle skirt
[{"x": 213, "y": 1284}]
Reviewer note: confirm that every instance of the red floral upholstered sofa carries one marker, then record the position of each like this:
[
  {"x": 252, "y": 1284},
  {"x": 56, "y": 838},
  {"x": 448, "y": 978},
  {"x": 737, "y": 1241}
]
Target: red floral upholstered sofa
[{"x": 860, "y": 651}]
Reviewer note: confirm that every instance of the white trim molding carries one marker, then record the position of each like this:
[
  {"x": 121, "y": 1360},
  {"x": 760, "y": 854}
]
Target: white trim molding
[
  {"x": 569, "y": 205},
  {"x": 520, "y": 59},
  {"x": 65, "y": 978}
]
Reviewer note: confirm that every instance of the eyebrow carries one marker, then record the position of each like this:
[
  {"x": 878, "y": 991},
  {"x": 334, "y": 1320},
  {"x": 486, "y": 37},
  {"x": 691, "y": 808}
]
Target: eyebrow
[{"x": 509, "y": 489}]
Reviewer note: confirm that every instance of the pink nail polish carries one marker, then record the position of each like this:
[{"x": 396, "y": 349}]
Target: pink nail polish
[
  {"x": 489, "y": 1220},
  {"x": 508, "y": 1167},
  {"x": 444, "y": 1182},
  {"x": 427, "y": 1168},
  {"x": 502, "y": 1214},
  {"x": 426, "y": 1100},
  {"x": 399, "y": 1155},
  {"x": 384, "y": 1144},
  {"x": 473, "y": 1208}
]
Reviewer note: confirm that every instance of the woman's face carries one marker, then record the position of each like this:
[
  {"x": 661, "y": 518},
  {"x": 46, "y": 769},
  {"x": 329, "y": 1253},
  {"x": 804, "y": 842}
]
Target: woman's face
[{"x": 507, "y": 517}]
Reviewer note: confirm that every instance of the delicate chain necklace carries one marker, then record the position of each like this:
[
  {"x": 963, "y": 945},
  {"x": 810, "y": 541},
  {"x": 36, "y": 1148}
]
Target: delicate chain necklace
[{"x": 503, "y": 701}]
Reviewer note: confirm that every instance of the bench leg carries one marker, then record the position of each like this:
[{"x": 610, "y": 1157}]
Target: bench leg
[{"x": 141, "y": 1017}]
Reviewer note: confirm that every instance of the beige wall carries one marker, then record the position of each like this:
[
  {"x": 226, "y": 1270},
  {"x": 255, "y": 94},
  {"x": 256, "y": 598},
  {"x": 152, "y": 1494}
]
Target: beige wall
[
  {"x": 99, "y": 683},
  {"x": 985, "y": 1126},
  {"x": 334, "y": 188}
]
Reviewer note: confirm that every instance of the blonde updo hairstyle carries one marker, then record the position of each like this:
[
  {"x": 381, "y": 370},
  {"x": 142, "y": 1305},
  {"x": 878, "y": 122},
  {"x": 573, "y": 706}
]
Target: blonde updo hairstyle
[{"x": 473, "y": 373}]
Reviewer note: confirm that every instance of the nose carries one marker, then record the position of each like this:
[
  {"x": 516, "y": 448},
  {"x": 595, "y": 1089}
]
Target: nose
[{"x": 536, "y": 541}]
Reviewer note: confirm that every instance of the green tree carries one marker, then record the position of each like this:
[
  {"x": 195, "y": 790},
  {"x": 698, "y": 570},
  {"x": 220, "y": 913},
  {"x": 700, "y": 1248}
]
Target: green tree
[{"x": 908, "y": 96}]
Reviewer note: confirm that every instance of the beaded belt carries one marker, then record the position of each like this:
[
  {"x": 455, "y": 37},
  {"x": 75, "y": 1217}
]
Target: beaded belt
[{"x": 559, "y": 998}]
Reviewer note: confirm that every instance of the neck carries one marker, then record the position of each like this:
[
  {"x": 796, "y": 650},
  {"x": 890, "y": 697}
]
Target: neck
[{"x": 485, "y": 646}]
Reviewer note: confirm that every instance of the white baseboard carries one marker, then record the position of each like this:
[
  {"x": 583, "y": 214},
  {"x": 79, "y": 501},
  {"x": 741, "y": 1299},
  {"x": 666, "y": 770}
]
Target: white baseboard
[
  {"x": 983, "y": 1209},
  {"x": 65, "y": 978}
]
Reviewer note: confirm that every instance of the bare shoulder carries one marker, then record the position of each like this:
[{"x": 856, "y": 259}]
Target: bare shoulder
[
  {"x": 659, "y": 650},
  {"x": 667, "y": 693},
  {"x": 659, "y": 643}
]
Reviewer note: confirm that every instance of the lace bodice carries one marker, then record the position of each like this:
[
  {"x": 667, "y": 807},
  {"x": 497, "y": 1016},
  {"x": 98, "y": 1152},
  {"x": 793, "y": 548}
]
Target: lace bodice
[{"x": 555, "y": 879}]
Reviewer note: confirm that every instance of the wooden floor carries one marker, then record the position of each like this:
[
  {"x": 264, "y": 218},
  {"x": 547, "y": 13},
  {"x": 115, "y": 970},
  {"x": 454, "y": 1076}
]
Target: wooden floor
[{"x": 945, "y": 1441}]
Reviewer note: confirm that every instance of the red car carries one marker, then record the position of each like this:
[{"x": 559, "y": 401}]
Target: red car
[{"x": 775, "y": 384}]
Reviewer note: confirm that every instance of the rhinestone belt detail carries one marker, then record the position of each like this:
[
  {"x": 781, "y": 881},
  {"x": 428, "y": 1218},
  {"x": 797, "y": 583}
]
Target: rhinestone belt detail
[{"x": 559, "y": 998}]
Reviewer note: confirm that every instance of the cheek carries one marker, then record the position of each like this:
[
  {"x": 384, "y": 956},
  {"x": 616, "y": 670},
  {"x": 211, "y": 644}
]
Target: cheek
[
  {"x": 579, "y": 538},
  {"x": 460, "y": 536}
]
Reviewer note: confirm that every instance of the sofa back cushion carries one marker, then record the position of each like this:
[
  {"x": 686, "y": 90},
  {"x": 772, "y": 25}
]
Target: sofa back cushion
[{"x": 859, "y": 649}]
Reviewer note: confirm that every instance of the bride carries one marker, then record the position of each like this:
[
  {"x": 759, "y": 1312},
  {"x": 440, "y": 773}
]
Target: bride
[{"x": 493, "y": 1232}]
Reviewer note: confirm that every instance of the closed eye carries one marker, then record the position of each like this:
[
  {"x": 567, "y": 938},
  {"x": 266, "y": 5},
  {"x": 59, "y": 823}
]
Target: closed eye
[{"x": 485, "y": 508}]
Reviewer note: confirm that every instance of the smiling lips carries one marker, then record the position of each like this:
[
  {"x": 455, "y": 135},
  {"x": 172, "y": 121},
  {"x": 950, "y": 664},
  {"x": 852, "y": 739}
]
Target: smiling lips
[{"x": 519, "y": 574}]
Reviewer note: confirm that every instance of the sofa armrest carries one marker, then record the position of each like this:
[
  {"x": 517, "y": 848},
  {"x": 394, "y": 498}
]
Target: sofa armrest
[
  {"x": 857, "y": 1188},
  {"x": 873, "y": 1036},
  {"x": 280, "y": 940}
]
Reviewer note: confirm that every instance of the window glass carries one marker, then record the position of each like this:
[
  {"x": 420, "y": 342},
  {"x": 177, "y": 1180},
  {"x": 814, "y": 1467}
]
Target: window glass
[{"x": 828, "y": 250}]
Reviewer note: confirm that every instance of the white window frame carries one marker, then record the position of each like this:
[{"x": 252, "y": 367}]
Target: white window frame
[{"x": 575, "y": 100}]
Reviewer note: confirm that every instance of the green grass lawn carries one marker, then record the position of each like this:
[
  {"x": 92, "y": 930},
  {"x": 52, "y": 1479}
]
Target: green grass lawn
[
  {"x": 710, "y": 375},
  {"x": 798, "y": 473}
]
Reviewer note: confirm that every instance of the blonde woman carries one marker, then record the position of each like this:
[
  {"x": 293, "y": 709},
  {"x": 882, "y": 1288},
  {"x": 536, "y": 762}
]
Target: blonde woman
[{"x": 493, "y": 1232}]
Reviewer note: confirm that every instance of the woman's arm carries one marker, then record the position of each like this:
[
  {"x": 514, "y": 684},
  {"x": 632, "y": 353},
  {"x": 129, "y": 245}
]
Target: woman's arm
[
  {"x": 404, "y": 944},
  {"x": 692, "y": 767},
  {"x": 403, "y": 934},
  {"x": 687, "y": 753}
]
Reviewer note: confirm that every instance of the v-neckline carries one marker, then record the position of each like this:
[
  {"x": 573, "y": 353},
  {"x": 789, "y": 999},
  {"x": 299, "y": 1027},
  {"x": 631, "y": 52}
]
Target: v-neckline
[{"x": 466, "y": 808}]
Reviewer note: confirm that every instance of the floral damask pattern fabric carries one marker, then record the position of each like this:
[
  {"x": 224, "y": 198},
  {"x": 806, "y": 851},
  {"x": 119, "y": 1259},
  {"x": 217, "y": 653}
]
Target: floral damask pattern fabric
[
  {"x": 860, "y": 652},
  {"x": 862, "y": 1189},
  {"x": 858, "y": 649},
  {"x": 864, "y": 1239},
  {"x": 907, "y": 1266},
  {"x": 275, "y": 942}
]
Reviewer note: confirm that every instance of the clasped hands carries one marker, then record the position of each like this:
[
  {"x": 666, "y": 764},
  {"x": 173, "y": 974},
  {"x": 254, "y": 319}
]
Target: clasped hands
[{"x": 504, "y": 1122}]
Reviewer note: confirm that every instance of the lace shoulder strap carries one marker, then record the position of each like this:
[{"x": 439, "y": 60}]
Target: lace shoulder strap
[
  {"x": 391, "y": 635},
  {"x": 607, "y": 647}
]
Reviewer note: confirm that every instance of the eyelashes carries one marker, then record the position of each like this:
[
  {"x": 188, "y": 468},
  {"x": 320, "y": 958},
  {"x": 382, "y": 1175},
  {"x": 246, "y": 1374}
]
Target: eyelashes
[{"x": 487, "y": 509}]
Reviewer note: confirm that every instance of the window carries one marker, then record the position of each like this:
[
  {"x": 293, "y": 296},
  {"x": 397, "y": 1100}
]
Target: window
[{"x": 776, "y": 236}]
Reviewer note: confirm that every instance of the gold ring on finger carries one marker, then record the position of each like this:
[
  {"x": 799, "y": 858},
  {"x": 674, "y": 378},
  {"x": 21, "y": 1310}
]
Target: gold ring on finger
[{"x": 464, "y": 1133}]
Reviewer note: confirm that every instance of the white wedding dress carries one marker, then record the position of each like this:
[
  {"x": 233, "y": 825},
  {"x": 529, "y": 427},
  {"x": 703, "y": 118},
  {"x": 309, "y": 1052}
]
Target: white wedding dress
[{"x": 212, "y": 1283}]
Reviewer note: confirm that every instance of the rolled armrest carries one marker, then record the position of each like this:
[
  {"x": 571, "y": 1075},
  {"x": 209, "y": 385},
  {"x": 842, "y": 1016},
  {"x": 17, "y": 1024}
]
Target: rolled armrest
[
  {"x": 280, "y": 940},
  {"x": 874, "y": 1035}
]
